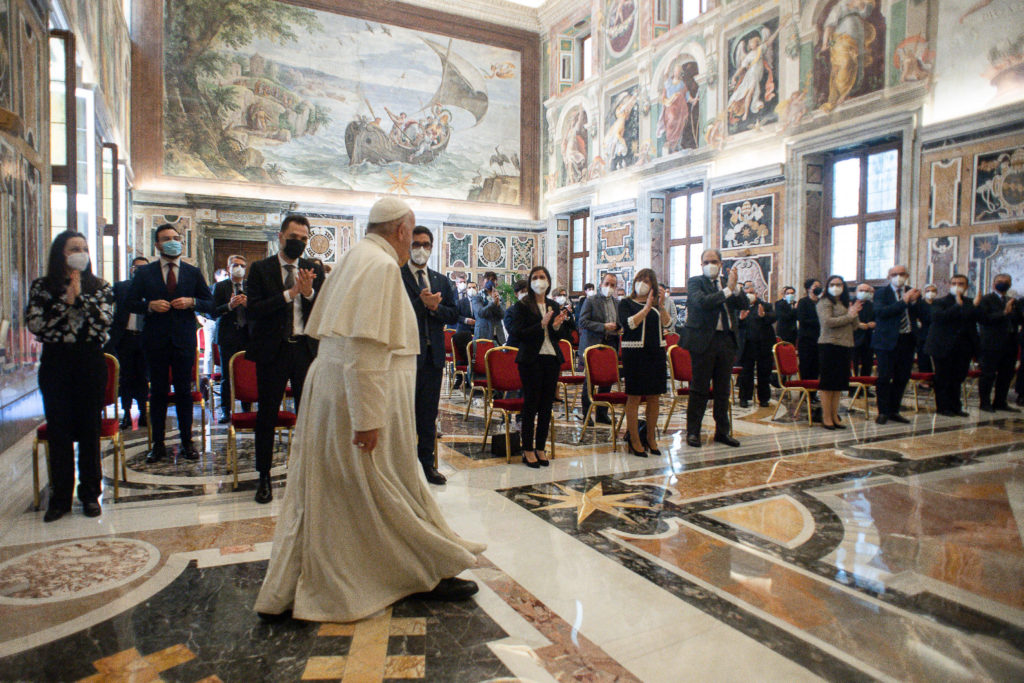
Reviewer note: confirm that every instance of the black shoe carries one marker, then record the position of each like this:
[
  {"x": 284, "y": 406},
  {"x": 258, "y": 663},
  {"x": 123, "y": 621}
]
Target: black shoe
[
  {"x": 126, "y": 422},
  {"x": 543, "y": 461},
  {"x": 143, "y": 422},
  {"x": 987, "y": 409},
  {"x": 694, "y": 440},
  {"x": 433, "y": 476},
  {"x": 896, "y": 417},
  {"x": 638, "y": 453},
  {"x": 1007, "y": 409},
  {"x": 961, "y": 413},
  {"x": 53, "y": 514},
  {"x": 224, "y": 419},
  {"x": 263, "y": 492},
  {"x": 158, "y": 453},
  {"x": 652, "y": 450},
  {"x": 744, "y": 404},
  {"x": 602, "y": 419},
  {"x": 92, "y": 509},
  {"x": 766, "y": 404},
  {"x": 449, "y": 589},
  {"x": 839, "y": 425},
  {"x": 881, "y": 419},
  {"x": 727, "y": 440},
  {"x": 535, "y": 465},
  {"x": 945, "y": 413},
  {"x": 189, "y": 452},
  {"x": 275, "y": 618},
  {"x": 828, "y": 427},
  {"x": 458, "y": 383}
]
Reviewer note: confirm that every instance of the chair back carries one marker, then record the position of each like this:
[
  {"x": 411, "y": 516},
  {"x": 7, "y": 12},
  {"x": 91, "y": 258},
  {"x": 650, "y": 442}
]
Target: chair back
[
  {"x": 113, "y": 376},
  {"x": 216, "y": 356},
  {"x": 448, "y": 334},
  {"x": 601, "y": 365},
  {"x": 243, "y": 379},
  {"x": 679, "y": 363},
  {"x": 786, "y": 361},
  {"x": 575, "y": 339},
  {"x": 671, "y": 339},
  {"x": 477, "y": 350},
  {"x": 567, "y": 356},
  {"x": 502, "y": 370}
]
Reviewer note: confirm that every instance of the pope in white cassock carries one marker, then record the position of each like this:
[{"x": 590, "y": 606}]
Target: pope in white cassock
[{"x": 358, "y": 528}]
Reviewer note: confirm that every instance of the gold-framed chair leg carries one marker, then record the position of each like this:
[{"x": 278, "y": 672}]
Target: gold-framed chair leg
[
  {"x": 586, "y": 421},
  {"x": 35, "y": 473},
  {"x": 778, "y": 405},
  {"x": 113, "y": 442},
  {"x": 508, "y": 439},
  {"x": 917, "y": 407},
  {"x": 202, "y": 436},
  {"x": 149, "y": 428},
  {"x": 288, "y": 454},
  {"x": 233, "y": 455},
  {"x": 487, "y": 429},
  {"x": 469, "y": 401},
  {"x": 616, "y": 424},
  {"x": 671, "y": 411}
]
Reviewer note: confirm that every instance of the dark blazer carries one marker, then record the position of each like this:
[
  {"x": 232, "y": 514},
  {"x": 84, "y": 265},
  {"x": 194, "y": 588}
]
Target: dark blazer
[
  {"x": 435, "y": 320},
  {"x": 228, "y": 333},
  {"x": 995, "y": 326},
  {"x": 702, "y": 310},
  {"x": 526, "y": 328},
  {"x": 866, "y": 315},
  {"x": 807, "y": 316},
  {"x": 175, "y": 327},
  {"x": 888, "y": 313},
  {"x": 953, "y": 329},
  {"x": 464, "y": 307},
  {"x": 267, "y": 312},
  {"x": 756, "y": 329},
  {"x": 121, "y": 313},
  {"x": 785, "y": 315},
  {"x": 924, "y": 319},
  {"x": 512, "y": 340}
]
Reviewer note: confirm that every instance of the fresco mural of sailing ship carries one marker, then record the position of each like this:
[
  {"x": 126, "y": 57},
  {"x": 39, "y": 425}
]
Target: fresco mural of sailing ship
[{"x": 311, "y": 98}]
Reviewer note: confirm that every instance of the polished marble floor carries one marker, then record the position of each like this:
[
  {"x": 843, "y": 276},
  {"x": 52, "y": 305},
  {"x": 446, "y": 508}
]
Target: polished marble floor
[{"x": 889, "y": 552}]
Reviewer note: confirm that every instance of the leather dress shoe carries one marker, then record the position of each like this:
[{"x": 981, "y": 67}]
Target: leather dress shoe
[
  {"x": 92, "y": 509},
  {"x": 264, "y": 494},
  {"x": 143, "y": 422},
  {"x": 881, "y": 419},
  {"x": 744, "y": 404},
  {"x": 158, "y": 453},
  {"x": 727, "y": 440},
  {"x": 896, "y": 417},
  {"x": 1007, "y": 409},
  {"x": 694, "y": 440},
  {"x": 126, "y": 422},
  {"x": 433, "y": 476},
  {"x": 224, "y": 419},
  {"x": 765, "y": 404},
  {"x": 449, "y": 589},
  {"x": 961, "y": 413},
  {"x": 53, "y": 514},
  {"x": 987, "y": 409},
  {"x": 189, "y": 452}
]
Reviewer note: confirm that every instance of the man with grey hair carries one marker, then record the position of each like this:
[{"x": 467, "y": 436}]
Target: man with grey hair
[
  {"x": 359, "y": 528},
  {"x": 893, "y": 339}
]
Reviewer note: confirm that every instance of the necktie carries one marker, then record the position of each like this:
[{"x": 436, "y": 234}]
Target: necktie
[
  {"x": 723, "y": 314},
  {"x": 289, "y": 282},
  {"x": 905, "y": 318},
  {"x": 423, "y": 321},
  {"x": 240, "y": 311},
  {"x": 172, "y": 280}
]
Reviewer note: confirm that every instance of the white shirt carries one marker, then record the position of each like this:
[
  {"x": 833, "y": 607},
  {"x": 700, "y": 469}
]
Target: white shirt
[
  {"x": 298, "y": 324},
  {"x": 416, "y": 270},
  {"x": 165, "y": 267}
]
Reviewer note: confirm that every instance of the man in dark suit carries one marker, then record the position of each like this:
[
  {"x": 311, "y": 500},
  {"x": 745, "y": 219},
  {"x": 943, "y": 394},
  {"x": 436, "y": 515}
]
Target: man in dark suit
[
  {"x": 757, "y": 337},
  {"x": 434, "y": 303},
  {"x": 232, "y": 333},
  {"x": 786, "y": 316},
  {"x": 711, "y": 339},
  {"x": 896, "y": 308},
  {"x": 999, "y": 319},
  {"x": 951, "y": 343},
  {"x": 464, "y": 328},
  {"x": 126, "y": 345},
  {"x": 169, "y": 292},
  {"x": 598, "y": 323},
  {"x": 280, "y": 292}
]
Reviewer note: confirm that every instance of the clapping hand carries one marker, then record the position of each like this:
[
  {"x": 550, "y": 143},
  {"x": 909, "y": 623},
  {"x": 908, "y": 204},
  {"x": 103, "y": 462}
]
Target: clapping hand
[
  {"x": 238, "y": 300},
  {"x": 430, "y": 300},
  {"x": 732, "y": 280},
  {"x": 744, "y": 313},
  {"x": 911, "y": 295},
  {"x": 74, "y": 287},
  {"x": 760, "y": 310},
  {"x": 547, "y": 317},
  {"x": 304, "y": 281},
  {"x": 1009, "y": 305},
  {"x": 855, "y": 307},
  {"x": 651, "y": 300},
  {"x": 559, "y": 319}
]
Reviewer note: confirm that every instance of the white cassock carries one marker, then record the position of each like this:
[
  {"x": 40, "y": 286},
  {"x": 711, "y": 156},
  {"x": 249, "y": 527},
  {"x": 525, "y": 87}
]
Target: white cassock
[{"x": 358, "y": 532}]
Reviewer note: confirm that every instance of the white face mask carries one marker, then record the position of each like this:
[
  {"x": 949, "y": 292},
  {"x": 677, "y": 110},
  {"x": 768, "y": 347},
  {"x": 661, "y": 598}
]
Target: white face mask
[
  {"x": 539, "y": 286},
  {"x": 471, "y": 291},
  {"x": 835, "y": 290},
  {"x": 521, "y": 295},
  {"x": 78, "y": 261},
  {"x": 642, "y": 288},
  {"x": 590, "y": 292},
  {"x": 606, "y": 291},
  {"x": 751, "y": 297},
  {"x": 711, "y": 269},
  {"x": 237, "y": 271},
  {"x": 461, "y": 286},
  {"x": 899, "y": 280},
  {"x": 560, "y": 300},
  {"x": 419, "y": 256},
  {"x": 929, "y": 296},
  {"x": 864, "y": 296},
  {"x": 956, "y": 290}
]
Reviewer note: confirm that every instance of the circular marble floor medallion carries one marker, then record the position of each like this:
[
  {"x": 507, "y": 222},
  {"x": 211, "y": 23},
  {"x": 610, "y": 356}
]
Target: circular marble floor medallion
[{"x": 74, "y": 570}]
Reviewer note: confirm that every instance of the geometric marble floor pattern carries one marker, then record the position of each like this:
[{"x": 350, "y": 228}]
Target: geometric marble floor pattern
[{"x": 875, "y": 553}]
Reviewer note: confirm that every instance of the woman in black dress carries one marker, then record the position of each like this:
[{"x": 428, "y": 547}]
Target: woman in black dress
[
  {"x": 70, "y": 310},
  {"x": 642, "y": 317},
  {"x": 535, "y": 322}
]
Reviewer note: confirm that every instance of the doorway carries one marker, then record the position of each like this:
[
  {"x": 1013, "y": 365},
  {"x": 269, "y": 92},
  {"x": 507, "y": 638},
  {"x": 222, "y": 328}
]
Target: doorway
[{"x": 252, "y": 250}]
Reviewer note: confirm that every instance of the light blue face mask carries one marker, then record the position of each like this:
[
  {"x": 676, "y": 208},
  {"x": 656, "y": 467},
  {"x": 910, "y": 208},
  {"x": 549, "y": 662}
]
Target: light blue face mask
[
  {"x": 171, "y": 248},
  {"x": 789, "y": 298}
]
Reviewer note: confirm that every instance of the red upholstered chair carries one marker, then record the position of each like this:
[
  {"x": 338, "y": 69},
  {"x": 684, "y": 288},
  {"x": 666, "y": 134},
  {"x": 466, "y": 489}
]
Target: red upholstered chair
[
  {"x": 860, "y": 383},
  {"x": 110, "y": 430},
  {"x": 460, "y": 368},
  {"x": 601, "y": 365},
  {"x": 681, "y": 373},
  {"x": 787, "y": 365},
  {"x": 920, "y": 378},
  {"x": 243, "y": 389},
  {"x": 476, "y": 350},
  {"x": 503, "y": 375},
  {"x": 671, "y": 339},
  {"x": 197, "y": 399},
  {"x": 568, "y": 376}
]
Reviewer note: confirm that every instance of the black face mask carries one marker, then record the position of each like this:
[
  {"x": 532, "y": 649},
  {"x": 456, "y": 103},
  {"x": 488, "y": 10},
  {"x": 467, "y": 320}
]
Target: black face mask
[
  {"x": 1003, "y": 287},
  {"x": 293, "y": 248},
  {"x": 817, "y": 291}
]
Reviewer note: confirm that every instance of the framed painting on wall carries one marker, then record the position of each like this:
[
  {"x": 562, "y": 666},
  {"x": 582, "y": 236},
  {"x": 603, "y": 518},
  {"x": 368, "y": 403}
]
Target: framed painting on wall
[{"x": 748, "y": 222}]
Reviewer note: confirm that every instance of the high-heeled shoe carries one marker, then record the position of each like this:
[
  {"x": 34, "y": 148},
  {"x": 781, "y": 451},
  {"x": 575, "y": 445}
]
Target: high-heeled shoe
[
  {"x": 544, "y": 462},
  {"x": 652, "y": 450},
  {"x": 535, "y": 465},
  {"x": 828, "y": 427},
  {"x": 839, "y": 425},
  {"x": 640, "y": 454}
]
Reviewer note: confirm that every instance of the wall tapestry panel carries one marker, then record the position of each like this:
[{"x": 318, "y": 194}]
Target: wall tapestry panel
[
  {"x": 748, "y": 222},
  {"x": 944, "y": 199},
  {"x": 678, "y": 107},
  {"x": 753, "y": 76},
  {"x": 998, "y": 186},
  {"x": 622, "y": 129},
  {"x": 850, "y": 54},
  {"x": 329, "y": 237}
]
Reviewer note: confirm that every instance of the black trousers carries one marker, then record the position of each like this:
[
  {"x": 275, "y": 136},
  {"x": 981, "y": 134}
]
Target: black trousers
[
  {"x": 133, "y": 382},
  {"x": 757, "y": 356},
  {"x": 540, "y": 382},
  {"x": 997, "y": 369},
  {"x": 807, "y": 352},
  {"x": 428, "y": 400},
  {"x": 292, "y": 363},
  {"x": 713, "y": 367},
  {"x": 72, "y": 380},
  {"x": 863, "y": 360},
  {"x": 226, "y": 351},
  {"x": 178, "y": 364},
  {"x": 950, "y": 373},
  {"x": 924, "y": 361},
  {"x": 894, "y": 369}
]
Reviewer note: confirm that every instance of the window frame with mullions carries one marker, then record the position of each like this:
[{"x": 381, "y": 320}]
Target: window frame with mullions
[{"x": 690, "y": 241}]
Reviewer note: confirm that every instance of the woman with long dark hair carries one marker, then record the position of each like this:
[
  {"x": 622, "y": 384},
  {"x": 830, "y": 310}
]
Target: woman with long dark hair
[
  {"x": 642, "y": 317},
  {"x": 535, "y": 322},
  {"x": 838, "y": 319},
  {"x": 70, "y": 311}
]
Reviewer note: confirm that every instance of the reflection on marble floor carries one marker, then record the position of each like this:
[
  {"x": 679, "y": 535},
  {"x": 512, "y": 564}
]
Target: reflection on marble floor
[{"x": 892, "y": 552}]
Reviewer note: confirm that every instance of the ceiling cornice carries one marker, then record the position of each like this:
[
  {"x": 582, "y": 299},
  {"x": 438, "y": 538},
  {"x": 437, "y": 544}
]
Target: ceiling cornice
[
  {"x": 553, "y": 12},
  {"x": 500, "y": 12}
]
